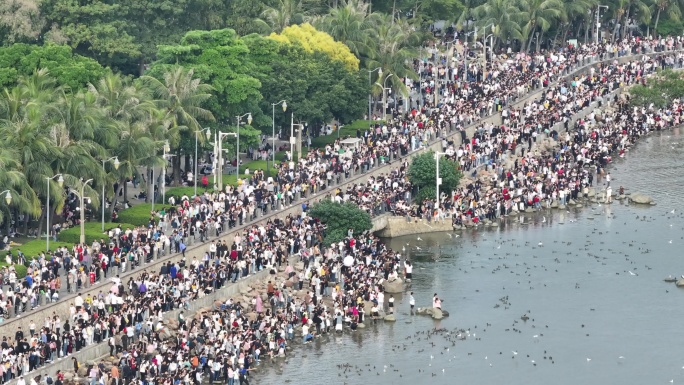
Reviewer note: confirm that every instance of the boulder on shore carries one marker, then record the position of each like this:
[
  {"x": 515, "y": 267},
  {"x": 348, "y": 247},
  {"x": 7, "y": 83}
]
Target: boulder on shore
[
  {"x": 680, "y": 282},
  {"x": 641, "y": 198},
  {"x": 393, "y": 287},
  {"x": 390, "y": 318},
  {"x": 437, "y": 314}
]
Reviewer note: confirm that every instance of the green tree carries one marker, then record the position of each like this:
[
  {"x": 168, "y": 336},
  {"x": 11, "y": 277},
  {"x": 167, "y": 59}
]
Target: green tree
[
  {"x": 283, "y": 14},
  {"x": 501, "y": 15},
  {"x": 537, "y": 16},
  {"x": 316, "y": 87},
  {"x": 669, "y": 7},
  {"x": 67, "y": 68},
  {"x": 182, "y": 96},
  {"x": 20, "y": 20},
  {"x": 218, "y": 58},
  {"x": 339, "y": 218},
  {"x": 351, "y": 23},
  {"x": 422, "y": 173}
]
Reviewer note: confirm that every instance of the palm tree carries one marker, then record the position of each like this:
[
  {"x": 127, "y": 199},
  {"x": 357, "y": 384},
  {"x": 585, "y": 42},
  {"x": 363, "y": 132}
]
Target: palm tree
[
  {"x": 392, "y": 48},
  {"x": 24, "y": 199},
  {"x": 536, "y": 17},
  {"x": 670, "y": 7},
  {"x": 285, "y": 13},
  {"x": 501, "y": 15},
  {"x": 181, "y": 97},
  {"x": 622, "y": 9},
  {"x": 351, "y": 23}
]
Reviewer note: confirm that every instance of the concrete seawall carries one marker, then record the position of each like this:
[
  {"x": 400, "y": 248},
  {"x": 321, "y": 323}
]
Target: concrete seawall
[{"x": 397, "y": 228}]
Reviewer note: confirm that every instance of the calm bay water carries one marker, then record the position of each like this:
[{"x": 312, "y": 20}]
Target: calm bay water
[{"x": 591, "y": 320}]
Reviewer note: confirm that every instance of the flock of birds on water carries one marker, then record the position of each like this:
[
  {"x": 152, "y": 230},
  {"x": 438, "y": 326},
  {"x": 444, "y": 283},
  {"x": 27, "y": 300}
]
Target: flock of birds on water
[
  {"x": 443, "y": 350},
  {"x": 441, "y": 354}
]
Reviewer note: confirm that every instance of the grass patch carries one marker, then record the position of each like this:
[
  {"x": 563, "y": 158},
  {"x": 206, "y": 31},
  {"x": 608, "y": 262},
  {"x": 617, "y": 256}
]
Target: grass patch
[
  {"x": 33, "y": 248},
  {"x": 93, "y": 231},
  {"x": 139, "y": 215}
]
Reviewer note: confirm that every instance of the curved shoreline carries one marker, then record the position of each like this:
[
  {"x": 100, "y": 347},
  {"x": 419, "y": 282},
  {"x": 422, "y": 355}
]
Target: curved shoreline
[{"x": 279, "y": 213}]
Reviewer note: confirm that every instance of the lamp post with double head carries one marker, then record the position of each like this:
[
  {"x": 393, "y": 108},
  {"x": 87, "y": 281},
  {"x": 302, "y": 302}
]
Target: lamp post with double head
[
  {"x": 219, "y": 158},
  {"x": 283, "y": 103},
  {"x": 237, "y": 161},
  {"x": 60, "y": 181},
  {"x": 438, "y": 179},
  {"x": 370, "y": 73},
  {"x": 207, "y": 131},
  {"x": 116, "y": 167},
  {"x": 82, "y": 197}
]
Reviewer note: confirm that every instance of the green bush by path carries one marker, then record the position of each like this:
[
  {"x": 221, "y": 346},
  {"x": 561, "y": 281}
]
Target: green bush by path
[
  {"x": 20, "y": 269},
  {"x": 93, "y": 231}
]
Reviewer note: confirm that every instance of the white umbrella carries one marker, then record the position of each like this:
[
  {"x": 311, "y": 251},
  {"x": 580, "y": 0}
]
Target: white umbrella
[{"x": 348, "y": 261}]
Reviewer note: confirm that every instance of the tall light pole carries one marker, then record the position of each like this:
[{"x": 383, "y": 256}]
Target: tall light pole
[
  {"x": 60, "y": 181},
  {"x": 465, "y": 55},
  {"x": 284, "y": 105},
  {"x": 384, "y": 96},
  {"x": 598, "y": 24},
  {"x": 116, "y": 167},
  {"x": 82, "y": 197},
  {"x": 219, "y": 158},
  {"x": 438, "y": 180},
  {"x": 450, "y": 57},
  {"x": 237, "y": 162},
  {"x": 491, "y": 52},
  {"x": 435, "y": 74},
  {"x": 208, "y": 134},
  {"x": 167, "y": 149},
  {"x": 299, "y": 139},
  {"x": 370, "y": 72}
]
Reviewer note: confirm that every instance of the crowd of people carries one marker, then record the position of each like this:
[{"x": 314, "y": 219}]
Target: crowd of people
[{"x": 226, "y": 344}]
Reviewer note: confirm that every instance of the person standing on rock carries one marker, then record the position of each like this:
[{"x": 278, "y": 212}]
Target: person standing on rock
[{"x": 412, "y": 302}]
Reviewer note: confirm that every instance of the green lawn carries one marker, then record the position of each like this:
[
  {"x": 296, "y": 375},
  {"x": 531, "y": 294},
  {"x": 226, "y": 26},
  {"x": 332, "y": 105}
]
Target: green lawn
[
  {"x": 93, "y": 231},
  {"x": 35, "y": 247}
]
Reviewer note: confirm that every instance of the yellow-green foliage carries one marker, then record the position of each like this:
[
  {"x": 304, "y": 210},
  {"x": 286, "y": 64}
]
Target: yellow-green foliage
[{"x": 313, "y": 40}]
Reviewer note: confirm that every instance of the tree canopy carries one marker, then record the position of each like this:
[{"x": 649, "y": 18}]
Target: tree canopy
[
  {"x": 423, "y": 171},
  {"x": 339, "y": 218}
]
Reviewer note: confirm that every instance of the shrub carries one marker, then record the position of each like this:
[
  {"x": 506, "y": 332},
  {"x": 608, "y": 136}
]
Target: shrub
[
  {"x": 339, "y": 218},
  {"x": 20, "y": 269},
  {"x": 93, "y": 231}
]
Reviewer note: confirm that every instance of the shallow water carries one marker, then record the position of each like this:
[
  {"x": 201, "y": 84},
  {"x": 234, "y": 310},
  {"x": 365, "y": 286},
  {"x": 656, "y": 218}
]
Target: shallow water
[{"x": 586, "y": 309}]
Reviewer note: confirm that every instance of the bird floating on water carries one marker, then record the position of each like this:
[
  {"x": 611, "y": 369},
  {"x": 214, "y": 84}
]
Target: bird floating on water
[{"x": 419, "y": 239}]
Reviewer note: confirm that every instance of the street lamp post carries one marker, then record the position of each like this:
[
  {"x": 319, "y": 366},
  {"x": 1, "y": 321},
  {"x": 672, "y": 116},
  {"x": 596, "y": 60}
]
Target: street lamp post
[
  {"x": 219, "y": 157},
  {"x": 491, "y": 51},
  {"x": 284, "y": 105},
  {"x": 167, "y": 148},
  {"x": 598, "y": 24},
  {"x": 208, "y": 133},
  {"x": 450, "y": 57},
  {"x": 237, "y": 162},
  {"x": 8, "y": 196},
  {"x": 82, "y": 197},
  {"x": 384, "y": 96},
  {"x": 465, "y": 55},
  {"x": 116, "y": 167},
  {"x": 47, "y": 215},
  {"x": 370, "y": 72},
  {"x": 438, "y": 180}
]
